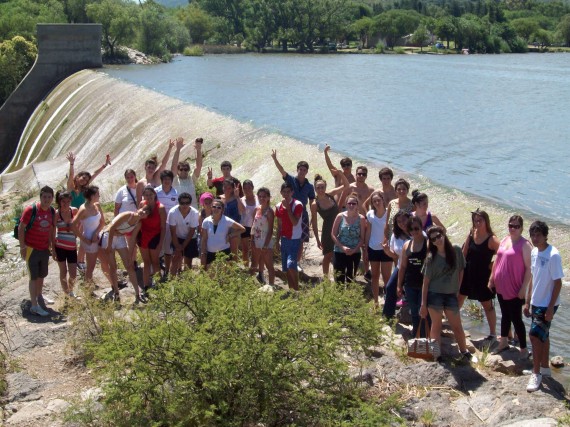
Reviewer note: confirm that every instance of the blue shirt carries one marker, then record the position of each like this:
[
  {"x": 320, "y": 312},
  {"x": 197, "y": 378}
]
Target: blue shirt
[{"x": 302, "y": 192}]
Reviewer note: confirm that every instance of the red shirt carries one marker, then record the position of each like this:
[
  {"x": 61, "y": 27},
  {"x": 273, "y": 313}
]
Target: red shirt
[
  {"x": 288, "y": 230},
  {"x": 38, "y": 235}
]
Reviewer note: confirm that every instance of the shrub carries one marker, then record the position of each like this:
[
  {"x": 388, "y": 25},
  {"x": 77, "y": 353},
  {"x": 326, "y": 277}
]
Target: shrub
[
  {"x": 399, "y": 50},
  {"x": 379, "y": 48},
  {"x": 193, "y": 51},
  {"x": 211, "y": 349}
]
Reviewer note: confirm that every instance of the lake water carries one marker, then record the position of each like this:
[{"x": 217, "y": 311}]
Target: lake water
[{"x": 492, "y": 125}]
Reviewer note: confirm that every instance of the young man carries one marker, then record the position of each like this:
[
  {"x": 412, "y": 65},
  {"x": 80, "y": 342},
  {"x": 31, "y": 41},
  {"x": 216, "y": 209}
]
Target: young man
[
  {"x": 363, "y": 190},
  {"x": 168, "y": 197},
  {"x": 183, "y": 221},
  {"x": 303, "y": 191},
  {"x": 542, "y": 299},
  {"x": 346, "y": 167},
  {"x": 289, "y": 231},
  {"x": 218, "y": 183},
  {"x": 386, "y": 175},
  {"x": 36, "y": 234},
  {"x": 183, "y": 181}
]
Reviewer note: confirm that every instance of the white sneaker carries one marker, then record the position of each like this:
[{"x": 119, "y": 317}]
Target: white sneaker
[
  {"x": 72, "y": 295},
  {"x": 534, "y": 382},
  {"x": 36, "y": 309},
  {"x": 46, "y": 300}
]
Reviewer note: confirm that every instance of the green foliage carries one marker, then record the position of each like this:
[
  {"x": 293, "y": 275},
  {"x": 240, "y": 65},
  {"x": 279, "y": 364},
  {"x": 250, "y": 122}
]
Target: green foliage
[
  {"x": 399, "y": 50},
  {"x": 380, "y": 48},
  {"x": 395, "y": 23},
  {"x": 193, "y": 51},
  {"x": 16, "y": 58},
  {"x": 198, "y": 22},
  {"x": 564, "y": 29},
  {"x": 19, "y": 17},
  {"x": 211, "y": 349},
  {"x": 420, "y": 37},
  {"x": 3, "y": 248}
]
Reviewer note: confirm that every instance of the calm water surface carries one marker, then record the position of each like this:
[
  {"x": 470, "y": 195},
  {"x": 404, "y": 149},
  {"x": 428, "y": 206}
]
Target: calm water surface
[{"x": 493, "y": 125}]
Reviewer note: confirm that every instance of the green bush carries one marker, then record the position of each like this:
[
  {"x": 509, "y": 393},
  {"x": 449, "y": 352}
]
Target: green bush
[
  {"x": 211, "y": 349},
  {"x": 399, "y": 50},
  {"x": 379, "y": 48},
  {"x": 193, "y": 51}
]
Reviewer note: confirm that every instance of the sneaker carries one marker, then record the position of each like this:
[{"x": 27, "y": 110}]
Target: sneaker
[
  {"x": 524, "y": 354},
  {"x": 466, "y": 357},
  {"x": 368, "y": 276},
  {"x": 142, "y": 298},
  {"x": 43, "y": 300},
  {"x": 534, "y": 382},
  {"x": 36, "y": 309},
  {"x": 260, "y": 277},
  {"x": 116, "y": 298},
  {"x": 299, "y": 268},
  {"x": 81, "y": 266}
]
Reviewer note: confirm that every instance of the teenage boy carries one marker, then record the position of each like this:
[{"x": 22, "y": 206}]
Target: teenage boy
[
  {"x": 183, "y": 181},
  {"x": 363, "y": 190},
  {"x": 218, "y": 183},
  {"x": 36, "y": 234},
  {"x": 183, "y": 221},
  {"x": 289, "y": 230},
  {"x": 542, "y": 300},
  {"x": 346, "y": 167},
  {"x": 167, "y": 195},
  {"x": 303, "y": 191},
  {"x": 386, "y": 175}
]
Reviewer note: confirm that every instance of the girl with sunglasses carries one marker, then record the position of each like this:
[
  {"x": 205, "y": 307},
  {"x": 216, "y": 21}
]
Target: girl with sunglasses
[
  {"x": 443, "y": 271},
  {"x": 510, "y": 277}
]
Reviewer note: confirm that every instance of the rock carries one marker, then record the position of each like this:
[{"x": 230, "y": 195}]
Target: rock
[
  {"x": 506, "y": 366},
  {"x": 22, "y": 387},
  {"x": 557, "y": 362},
  {"x": 29, "y": 413},
  {"x": 57, "y": 405},
  {"x": 368, "y": 376},
  {"x": 94, "y": 394},
  {"x": 542, "y": 422}
]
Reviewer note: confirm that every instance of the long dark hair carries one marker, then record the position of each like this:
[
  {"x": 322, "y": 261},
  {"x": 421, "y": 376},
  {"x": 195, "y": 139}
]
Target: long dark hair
[
  {"x": 398, "y": 232},
  {"x": 450, "y": 257}
]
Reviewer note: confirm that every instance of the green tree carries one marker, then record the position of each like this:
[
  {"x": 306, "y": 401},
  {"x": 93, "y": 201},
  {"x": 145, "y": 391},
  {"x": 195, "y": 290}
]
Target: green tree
[
  {"x": 198, "y": 22},
  {"x": 420, "y": 37},
  {"x": 232, "y": 12},
  {"x": 153, "y": 28},
  {"x": 542, "y": 37},
  {"x": 363, "y": 29},
  {"x": 471, "y": 33},
  {"x": 445, "y": 28},
  {"x": 525, "y": 27},
  {"x": 563, "y": 29},
  {"x": 261, "y": 22},
  {"x": 20, "y": 17},
  {"x": 118, "y": 20},
  {"x": 16, "y": 58},
  {"x": 396, "y": 23}
]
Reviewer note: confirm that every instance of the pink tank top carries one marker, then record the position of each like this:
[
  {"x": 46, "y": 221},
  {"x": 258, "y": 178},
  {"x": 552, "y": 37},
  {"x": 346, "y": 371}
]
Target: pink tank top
[{"x": 509, "y": 269}]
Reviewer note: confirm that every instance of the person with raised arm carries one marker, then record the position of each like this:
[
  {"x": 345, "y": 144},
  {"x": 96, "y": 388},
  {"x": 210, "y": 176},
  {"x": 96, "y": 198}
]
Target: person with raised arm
[
  {"x": 234, "y": 209},
  {"x": 184, "y": 182},
  {"x": 65, "y": 243},
  {"x": 77, "y": 183},
  {"x": 303, "y": 191},
  {"x": 167, "y": 195},
  {"x": 345, "y": 165},
  {"x": 153, "y": 171},
  {"x": 326, "y": 204},
  {"x": 218, "y": 183}
]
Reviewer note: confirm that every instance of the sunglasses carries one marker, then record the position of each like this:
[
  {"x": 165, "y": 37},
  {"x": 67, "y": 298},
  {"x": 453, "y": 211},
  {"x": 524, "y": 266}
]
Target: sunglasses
[
  {"x": 345, "y": 166},
  {"x": 361, "y": 174},
  {"x": 184, "y": 169},
  {"x": 435, "y": 238},
  {"x": 514, "y": 226},
  {"x": 352, "y": 203},
  {"x": 217, "y": 207},
  {"x": 184, "y": 203},
  {"x": 415, "y": 229}
]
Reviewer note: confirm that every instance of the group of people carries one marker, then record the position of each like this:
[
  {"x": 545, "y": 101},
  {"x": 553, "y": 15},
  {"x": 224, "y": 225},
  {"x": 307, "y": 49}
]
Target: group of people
[{"x": 394, "y": 236}]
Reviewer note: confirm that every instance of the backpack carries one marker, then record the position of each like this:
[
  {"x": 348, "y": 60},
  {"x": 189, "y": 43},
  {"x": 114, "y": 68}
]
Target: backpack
[{"x": 33, "y": 217}]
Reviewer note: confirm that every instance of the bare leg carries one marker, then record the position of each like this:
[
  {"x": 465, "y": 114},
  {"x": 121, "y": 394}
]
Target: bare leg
[
  {"x": 375, "y": 281},
  {"x": 491, "y": 316},
  {"x": 63, "y": 276},
  {"x": 90, "y": 268},
  {"x": 267, "y": 259},
  {"x": 293, "y": 278},
  {"x": 461, "y": 300},
  {"x": 245, "y": 245},
  {"x": 327, "y": 259},
  {"x": 386, "y": 268},
  {"x": 124, "y": 254},
  {"x": 454, "y": 320},
  {"x": 435, "y": 331}
]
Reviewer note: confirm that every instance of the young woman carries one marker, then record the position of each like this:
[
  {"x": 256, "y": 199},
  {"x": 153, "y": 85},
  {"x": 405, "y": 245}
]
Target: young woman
[
  {"x": 87, "y": 224},
  {"x": 421, "y": 203},
  {"x": 479, "y": 248},
  {"x": 262, "y": 233},
  {"x": 443, "y": 271},
  {"x": 326, "y": 204},
  {"x": 152, "y": 171},
  {"x": 114, "y": 238},
  {"x": 217, "y": 231},
  {"x": 233, "y": 209},
  {"x": 249, "y": 204},
  {"x": 401, "y": 203},
  {"x": 510, "y": 278},
  {"x": 348, "y": 236},
  {"x": 152, "y": 232},
  {"x": 410, "y": 277},
  {"x": 65, "y": 243},
  {"x": 375, "y": 255},
  {"x": 77, "y": 184},
  {"x": 394, "y": 249},
  {"x": 126, "y": 198}
]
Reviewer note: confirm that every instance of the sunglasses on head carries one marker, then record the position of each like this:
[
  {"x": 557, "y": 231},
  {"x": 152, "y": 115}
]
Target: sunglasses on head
[{"x": 433, "y": 239}]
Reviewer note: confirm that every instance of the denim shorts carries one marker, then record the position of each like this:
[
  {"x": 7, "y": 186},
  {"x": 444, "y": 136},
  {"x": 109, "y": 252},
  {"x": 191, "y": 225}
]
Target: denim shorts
[
  {"x": 539, "y": 327},
  {"x": 441, "y": 302},
  {"x": 289, "y": 251}
]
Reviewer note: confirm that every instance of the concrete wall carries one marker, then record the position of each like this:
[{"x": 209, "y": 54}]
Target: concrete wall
[{"x": 63, "y": 49}]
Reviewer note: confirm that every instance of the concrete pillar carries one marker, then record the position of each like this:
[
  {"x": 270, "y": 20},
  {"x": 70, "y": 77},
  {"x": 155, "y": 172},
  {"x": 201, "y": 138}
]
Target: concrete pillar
[{"x": 63, "y": 49}]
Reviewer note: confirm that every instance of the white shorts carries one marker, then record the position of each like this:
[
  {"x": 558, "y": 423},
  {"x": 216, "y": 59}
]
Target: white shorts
[
  {"x": 119, "y": 242},
  {"x": 259, "y": 243},
  {"x": 90, "y": 248}
]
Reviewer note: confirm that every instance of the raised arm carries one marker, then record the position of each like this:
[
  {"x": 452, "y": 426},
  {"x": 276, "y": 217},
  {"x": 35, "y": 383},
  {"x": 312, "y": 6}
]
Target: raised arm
[
  {"x": 328, "y": 160},
  {"x": 314, "y": 224},
  {"x": 210, "y": 181},
  {"x": 345, "y": 192},
  {"x": 176, "y": 157},
  {"x": 164, "y": 160},
  {"x": 198, "y": 148},
  {"x": 71, "y": 177},
  {"x": 282, "y": 171},
  {"x": 98, "y": 171}
]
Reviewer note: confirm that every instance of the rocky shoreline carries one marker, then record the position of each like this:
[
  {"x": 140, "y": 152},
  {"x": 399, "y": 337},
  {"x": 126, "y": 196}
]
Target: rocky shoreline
[{"x": 44, "y": 378}]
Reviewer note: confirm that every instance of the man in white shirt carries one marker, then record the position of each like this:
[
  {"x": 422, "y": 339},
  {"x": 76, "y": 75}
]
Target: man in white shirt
[
  {"x": 183, "y": 181},
  {"x": 167, "y": 195},
  {"x": 183, "y": 221},
  {"x": 542, "y": 299}
]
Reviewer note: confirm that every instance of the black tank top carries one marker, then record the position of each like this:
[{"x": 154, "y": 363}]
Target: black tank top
[{"x": 413, "y": 276}]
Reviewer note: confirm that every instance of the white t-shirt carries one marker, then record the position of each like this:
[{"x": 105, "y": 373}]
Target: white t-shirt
[
  {"x": 128, "y": 203},
  {"x": 397, "y": 245},
  {"x": 167, "y": 200},
  {"x": 218, "y": 240},
  {"x": 546, "y": 267},
  {"x": 377, "y": 231},
  {"x": 247, "y": 217},
  {"x": 183, "y": 224},
  {"x": 186, "y": 186}
]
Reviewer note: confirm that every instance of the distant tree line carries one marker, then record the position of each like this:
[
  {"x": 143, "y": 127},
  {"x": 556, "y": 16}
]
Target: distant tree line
[{"x": 486, "y": 26}]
